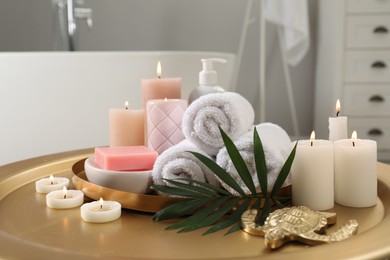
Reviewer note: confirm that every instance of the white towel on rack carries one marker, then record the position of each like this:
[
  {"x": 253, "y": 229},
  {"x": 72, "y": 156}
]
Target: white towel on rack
[{"x": 293, "y": 17}]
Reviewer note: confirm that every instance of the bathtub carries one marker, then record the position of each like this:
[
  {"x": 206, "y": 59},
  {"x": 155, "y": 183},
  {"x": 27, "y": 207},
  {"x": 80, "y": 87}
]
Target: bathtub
[{"x": 58, "y": 101}]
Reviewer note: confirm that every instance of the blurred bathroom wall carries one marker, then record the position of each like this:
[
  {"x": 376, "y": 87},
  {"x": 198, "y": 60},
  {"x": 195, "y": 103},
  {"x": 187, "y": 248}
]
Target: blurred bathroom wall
[{"x": 201, "y": 25}]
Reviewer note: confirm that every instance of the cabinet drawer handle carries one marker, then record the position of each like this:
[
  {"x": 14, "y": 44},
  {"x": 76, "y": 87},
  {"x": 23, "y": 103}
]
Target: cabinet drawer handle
[
  {"x": 377, "y": 99},
  {"x": 375, "y": 132},
  {"x": 381, "y": 29},
  {"x": 378, "y": 65}
]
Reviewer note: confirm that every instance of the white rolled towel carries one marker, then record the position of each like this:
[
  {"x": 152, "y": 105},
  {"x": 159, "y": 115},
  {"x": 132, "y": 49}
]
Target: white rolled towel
[
  {"x": 277, "y": 148},
  {"x": 176, "y": 162},
  {"x": 229, "y": 110}
]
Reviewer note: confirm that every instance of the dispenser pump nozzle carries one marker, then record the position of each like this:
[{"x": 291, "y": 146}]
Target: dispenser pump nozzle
[{"x": 208, "y": 76}]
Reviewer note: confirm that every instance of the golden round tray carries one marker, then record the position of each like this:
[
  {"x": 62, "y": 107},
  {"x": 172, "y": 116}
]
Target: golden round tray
[
  {"x": 30, "y": 230},
  {"x": 134, "y": 201},
  {"x": 140, "y": 202}
]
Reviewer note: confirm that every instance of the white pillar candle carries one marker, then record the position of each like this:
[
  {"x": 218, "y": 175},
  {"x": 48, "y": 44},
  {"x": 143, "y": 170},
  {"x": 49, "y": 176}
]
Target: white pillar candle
[
  {"x": 47, "y": 185},
  {"x": 64, "y": 199},
  {"x": 312, "y": 174},
  {"x": 338, "y": 126},
  {"x": 355, "y": 172},
  {"x": 101, "y": 211}
]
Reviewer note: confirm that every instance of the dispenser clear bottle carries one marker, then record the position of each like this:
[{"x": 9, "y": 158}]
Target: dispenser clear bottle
[{"x": 208, "y": 80}]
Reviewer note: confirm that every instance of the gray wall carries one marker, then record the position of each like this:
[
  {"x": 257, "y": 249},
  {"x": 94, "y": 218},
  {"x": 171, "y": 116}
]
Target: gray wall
[{"x": 205, "y": 25}]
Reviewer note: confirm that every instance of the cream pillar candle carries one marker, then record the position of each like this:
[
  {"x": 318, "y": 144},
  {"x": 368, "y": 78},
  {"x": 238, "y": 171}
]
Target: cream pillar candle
[
  {"x": 163, "y": 124},
  {"x": 47, "y": 185},
  {"x": 312, "y": 174},
  {"x": 338, "y": 126},
  {"x": 100, "y": 211},
  {"x": 355, "y": 172},
  {"x": 64, "y": 199},
  {"x": 160, "y": 88},
  {"x": 127, "y": 126}
]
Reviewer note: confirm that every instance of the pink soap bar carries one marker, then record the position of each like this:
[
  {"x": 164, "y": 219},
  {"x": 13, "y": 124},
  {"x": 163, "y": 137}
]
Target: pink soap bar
[{"x": 125, "y": 158}]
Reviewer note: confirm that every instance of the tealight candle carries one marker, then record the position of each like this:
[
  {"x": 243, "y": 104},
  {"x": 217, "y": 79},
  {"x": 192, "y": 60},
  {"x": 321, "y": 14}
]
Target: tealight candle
[
  {"x": 160, "y": 88},
  {"x": 312, "y": 174},
  {"x": 338, "y": 126},
  {"x": 64, "y": 199},
  {"x": 47, "y": 185},
  {"x": 355, "y": 172},
  {"x": 100, "y": 211}
]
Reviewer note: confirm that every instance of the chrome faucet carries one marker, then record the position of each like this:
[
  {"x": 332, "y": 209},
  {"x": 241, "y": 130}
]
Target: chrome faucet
[{"x": 74, "y": 12}]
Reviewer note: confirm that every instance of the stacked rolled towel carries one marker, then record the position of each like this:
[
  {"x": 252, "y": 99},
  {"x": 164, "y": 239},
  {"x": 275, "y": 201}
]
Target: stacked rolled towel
[
  {"x": 176, "y": 162},
  {"x": 277, "y": 147},
  {"x": 229, "y": 110}
]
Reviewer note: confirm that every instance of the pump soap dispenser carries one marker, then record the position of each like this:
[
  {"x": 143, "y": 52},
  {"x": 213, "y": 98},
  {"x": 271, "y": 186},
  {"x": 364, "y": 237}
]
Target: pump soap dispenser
[{"x": 207, "y": 80}]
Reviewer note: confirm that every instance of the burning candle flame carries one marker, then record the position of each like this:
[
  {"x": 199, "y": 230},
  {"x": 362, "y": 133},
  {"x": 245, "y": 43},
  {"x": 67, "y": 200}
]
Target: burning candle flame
[
  {"x": 64, "y": 192},
  {"x": 159, "y": 69},
  {"x": 312, "y": 137},
  {"x": 126, "y": 104},
  {"x": 101, "y": 203},
  {"x": 338, "y": 107},
  {"x": 353, "y": 138}
]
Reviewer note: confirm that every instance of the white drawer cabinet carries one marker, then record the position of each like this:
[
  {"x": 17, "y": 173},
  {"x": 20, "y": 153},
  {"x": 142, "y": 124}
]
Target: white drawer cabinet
[
  {"x": 367, "y": 100},
  {"x": 368, "y": 31},
  {"x": 367, "y": 6},
  {"x": 367, "y": 66},
  {"x": 354, "y": 66}
]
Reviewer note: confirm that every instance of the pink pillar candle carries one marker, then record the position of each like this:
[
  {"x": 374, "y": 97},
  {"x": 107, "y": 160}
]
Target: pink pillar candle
[
  {"x": 126, "y": 127},
  {"x": 163, "y": 124},
  {"x": 160, "y": 88}
]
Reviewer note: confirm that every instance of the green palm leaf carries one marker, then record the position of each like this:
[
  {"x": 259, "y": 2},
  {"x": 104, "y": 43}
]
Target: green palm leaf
[
  {"x": 238, "y": 162},
  {"x": 180, "y": 209},
  {"x": 261, "y": 167},
  {"x": 284, "y": 172},
  {"x": 190, "y": 187},
  {"x": 179, "y": 191},
  {"x": 207, "y": 185},
  {"x": 221, "y": 173},
  {"x": 231, "y": 219},
  {"x": 199, "y": 215},
  {"x": 212, "y": 218},
  {"x": 209, "y": 205}
]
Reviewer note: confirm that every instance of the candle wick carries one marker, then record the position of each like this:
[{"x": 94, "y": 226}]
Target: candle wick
[
  {"x": 101, "y": 207},
  {"x": 337, "y": 114},
  {"x": 65, "y": 196},
  {"x": 159, "y": 77},
  {"x": 51, "y": 183},
  {"x": 311, "y": 143},
  {"x": 353, "y": 143}
]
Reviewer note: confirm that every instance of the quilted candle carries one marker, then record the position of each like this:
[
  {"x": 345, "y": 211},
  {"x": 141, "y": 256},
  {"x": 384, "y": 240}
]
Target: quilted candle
[
  {"x": 126, "y": 126},
  {"x": 160, "y": 88},
  {"x": 125, "y": 158},
  {"x": 163, "y": 123}
]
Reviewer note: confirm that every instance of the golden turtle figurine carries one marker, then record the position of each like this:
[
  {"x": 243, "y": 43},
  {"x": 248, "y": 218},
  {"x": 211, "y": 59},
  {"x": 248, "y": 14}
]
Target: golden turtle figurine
[{"x": 296, "y": 223}]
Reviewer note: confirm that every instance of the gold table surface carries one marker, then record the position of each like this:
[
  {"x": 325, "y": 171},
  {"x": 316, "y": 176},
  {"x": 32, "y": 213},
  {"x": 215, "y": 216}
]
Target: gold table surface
[{"x": 30, "y": 230}]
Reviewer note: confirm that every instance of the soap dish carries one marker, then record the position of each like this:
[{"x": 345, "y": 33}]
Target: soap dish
[{"x": 129, "y": 181}]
